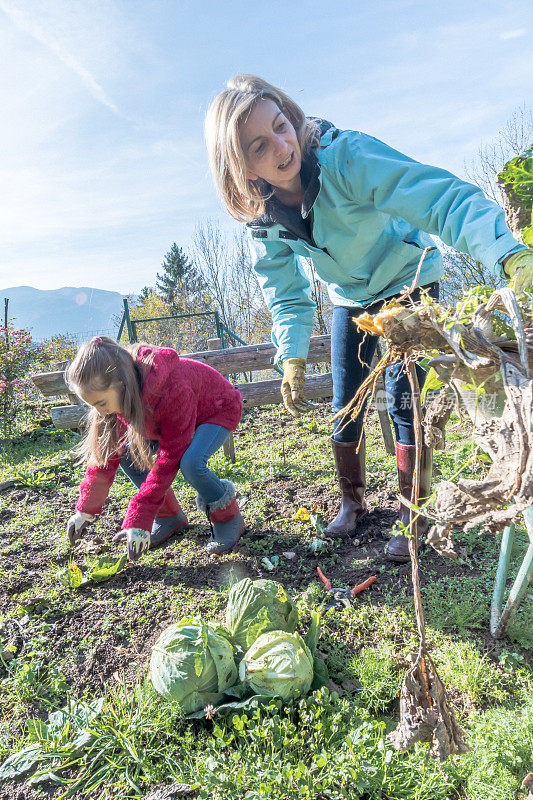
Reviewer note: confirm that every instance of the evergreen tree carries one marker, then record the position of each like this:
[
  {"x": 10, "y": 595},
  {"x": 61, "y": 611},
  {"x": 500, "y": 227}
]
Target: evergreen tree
[
  {"x": 145, "y": 292},
  {"x": 181, "y": 282}
]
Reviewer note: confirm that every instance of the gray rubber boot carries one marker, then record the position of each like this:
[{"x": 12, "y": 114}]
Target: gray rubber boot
[
  {"x": 164, "y": 527},
  {"x": 225, "y": 519}
]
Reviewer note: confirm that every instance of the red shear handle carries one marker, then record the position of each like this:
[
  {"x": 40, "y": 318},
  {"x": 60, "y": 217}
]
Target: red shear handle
[
  {"x": 364, "y": 585},
  {"x": 325, "y": 581}
]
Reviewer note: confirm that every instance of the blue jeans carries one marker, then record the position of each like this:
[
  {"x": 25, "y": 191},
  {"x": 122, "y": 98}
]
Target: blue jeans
[
  {"x": 206, "y": 441},
  {"x": 352, "y": 351}
]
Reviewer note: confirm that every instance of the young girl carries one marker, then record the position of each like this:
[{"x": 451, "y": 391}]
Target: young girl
[
  {"x": 143, "y": 399},
  {"x": 361, "y": 211}
]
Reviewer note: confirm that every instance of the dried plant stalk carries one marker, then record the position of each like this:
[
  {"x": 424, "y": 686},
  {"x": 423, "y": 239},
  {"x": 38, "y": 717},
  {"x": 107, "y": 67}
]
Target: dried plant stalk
[
  {"x": 468, "y": 352},
  {"x": 425, "y": 712},
  {"x": 499, "y": 367}
]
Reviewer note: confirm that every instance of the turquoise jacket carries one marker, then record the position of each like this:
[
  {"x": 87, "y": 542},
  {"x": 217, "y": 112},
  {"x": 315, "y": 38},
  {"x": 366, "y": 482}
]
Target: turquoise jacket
[{"x": 365, "y": 219}]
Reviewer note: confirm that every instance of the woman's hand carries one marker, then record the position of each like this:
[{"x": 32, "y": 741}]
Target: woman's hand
[
  {"x": 77, "y": 525},
  {"x": 137, "y": 541},
  {"x": 519, "y": 267},
  {"x": 292, "y": 386}
]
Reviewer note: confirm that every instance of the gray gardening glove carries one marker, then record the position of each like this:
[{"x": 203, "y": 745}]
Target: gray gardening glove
[
  {"x": 77, "y": 524},
  {"x": 137, "y": 541}
]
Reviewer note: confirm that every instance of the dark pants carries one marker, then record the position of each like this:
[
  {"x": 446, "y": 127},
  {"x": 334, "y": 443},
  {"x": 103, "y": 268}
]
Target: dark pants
[{"x": 352, "y": 351}]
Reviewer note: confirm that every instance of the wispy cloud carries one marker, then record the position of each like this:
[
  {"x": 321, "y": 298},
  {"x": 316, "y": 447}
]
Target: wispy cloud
[
  {"x": 28, "y": 25},
  {"x": 517, "y": 34}
]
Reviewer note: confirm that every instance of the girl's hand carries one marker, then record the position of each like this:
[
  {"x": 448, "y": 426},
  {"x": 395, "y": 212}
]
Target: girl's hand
[
  {"x": 137, "y": 541},
  {"x": 76, "y": 526}
]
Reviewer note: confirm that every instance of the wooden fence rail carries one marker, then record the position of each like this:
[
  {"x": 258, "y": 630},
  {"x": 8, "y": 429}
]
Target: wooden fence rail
[
  {"x": 252, "y": 358},
  {"x": 231, "y": 360}
]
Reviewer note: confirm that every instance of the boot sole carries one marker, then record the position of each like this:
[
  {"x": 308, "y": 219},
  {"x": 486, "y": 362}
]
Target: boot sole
[
  {"x": 397, "y": 559},
  {"x": 403, "y": 559},
  {"x": 228, "y": 549}
]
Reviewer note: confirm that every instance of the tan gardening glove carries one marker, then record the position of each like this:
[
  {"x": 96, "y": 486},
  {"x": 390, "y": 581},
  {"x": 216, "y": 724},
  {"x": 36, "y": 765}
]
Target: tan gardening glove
[
  {"x": 519, "y": 267},
  {"x": 292, "y": 386}
]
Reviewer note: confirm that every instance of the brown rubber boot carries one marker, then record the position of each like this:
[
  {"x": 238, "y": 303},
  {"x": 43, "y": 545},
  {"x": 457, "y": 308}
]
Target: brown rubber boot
[
  {"x": 351, "y": 474},
  {"x": 397, "y": 548}
]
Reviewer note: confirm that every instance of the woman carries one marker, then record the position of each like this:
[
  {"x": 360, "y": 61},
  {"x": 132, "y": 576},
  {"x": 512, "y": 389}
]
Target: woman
[{"x": 362, "y": 212}]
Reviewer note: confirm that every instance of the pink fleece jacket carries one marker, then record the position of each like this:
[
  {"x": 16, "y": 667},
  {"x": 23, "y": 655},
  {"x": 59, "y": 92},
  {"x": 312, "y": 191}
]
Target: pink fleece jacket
[{"x": 179, "y": 394}]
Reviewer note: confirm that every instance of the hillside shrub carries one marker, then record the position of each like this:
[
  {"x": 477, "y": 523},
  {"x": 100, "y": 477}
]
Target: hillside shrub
[{"x": 17, "y": 354}]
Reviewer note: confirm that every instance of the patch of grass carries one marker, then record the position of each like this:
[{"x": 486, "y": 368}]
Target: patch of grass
[
  {"x": 378, "y": 677},
  {"x": 31, "y": 681},
  {"x": 461, "y": 461},
  {"x": 34, "y": 449},
  {"x": 320, "y": 747},
  {"x": 502, "y": 749},
  {"x": 460, "y": 604},
  {"x": 132, "y": 743},
  {"x": 521, "y": 628},
  {"x": 462, "y": 666},
  {"x": 320, "y": 744}
]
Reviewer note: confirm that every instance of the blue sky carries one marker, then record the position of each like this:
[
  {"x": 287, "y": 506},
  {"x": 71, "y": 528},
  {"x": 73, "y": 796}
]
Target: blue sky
[{"x": 102, "y": 159}]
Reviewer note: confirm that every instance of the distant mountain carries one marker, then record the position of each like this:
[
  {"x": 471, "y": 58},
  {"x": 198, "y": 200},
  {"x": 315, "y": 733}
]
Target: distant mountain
[{"x": 76, "y": 310}]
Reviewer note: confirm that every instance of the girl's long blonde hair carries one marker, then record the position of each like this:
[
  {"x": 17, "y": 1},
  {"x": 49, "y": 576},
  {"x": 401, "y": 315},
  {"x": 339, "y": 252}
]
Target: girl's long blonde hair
[
  {"x": 245, "y": 199},
  {"x": 103, "y": 364}
]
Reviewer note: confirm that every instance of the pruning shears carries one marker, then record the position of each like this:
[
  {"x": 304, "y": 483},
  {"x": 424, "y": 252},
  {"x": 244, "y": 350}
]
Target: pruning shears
[{"x": 341, "y": 598}]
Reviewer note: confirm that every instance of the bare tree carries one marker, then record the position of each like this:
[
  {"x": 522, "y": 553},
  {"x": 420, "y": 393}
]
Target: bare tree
[
  {"x": 247, "y": 297},
  {"x": 232, "y": 284},
  {"x": 515, "y": 136},
  {"x": 212, "y": 253},
  {"x": 462, "y": 272}
]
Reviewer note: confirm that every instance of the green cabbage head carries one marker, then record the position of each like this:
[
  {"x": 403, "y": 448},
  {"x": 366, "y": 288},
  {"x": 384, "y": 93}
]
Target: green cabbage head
[
  {"x": 256, "y": 607},
  {"x": 192, "y": 663},
  {"x": 278, "y": 663}
]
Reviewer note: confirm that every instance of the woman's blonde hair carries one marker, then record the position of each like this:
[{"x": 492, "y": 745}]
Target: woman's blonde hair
[
  {"x": 245, "y": 199},
  {"x": 103, "y": 364}
]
